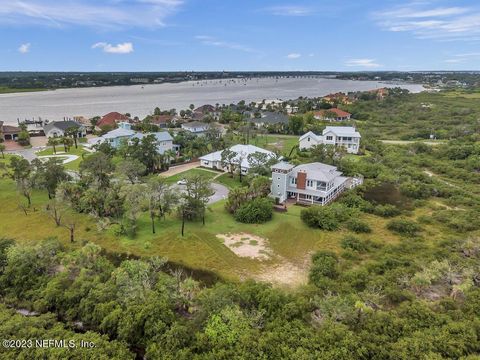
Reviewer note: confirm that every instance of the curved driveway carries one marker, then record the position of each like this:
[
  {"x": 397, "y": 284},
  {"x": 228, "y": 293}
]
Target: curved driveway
[{"x": 221, "y": 192}]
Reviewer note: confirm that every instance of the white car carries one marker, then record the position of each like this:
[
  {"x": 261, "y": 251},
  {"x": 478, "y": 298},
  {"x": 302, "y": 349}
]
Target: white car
[{"x": 182, "y": 182}]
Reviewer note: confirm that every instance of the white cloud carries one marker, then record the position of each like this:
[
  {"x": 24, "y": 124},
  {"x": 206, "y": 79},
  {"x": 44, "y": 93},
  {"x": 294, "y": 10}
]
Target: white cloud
[
  {"x": 289, "y": 10},
  {"x": 461, "y": 58},
  {"x": 116, "y": 14},
  {"x": 294, "y": 56},
  {"x": 123, "y": 48},
  {"x": 425, "y": 22},
  {"x": 364, "y": 63},
  {"x": 212, "y": 41},
  {"x": 24, "y": 48}
]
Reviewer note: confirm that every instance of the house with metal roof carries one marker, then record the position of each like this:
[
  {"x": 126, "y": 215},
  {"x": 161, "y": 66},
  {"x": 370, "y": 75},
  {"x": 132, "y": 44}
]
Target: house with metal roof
[
  {"x": 344, "y": 136},
  {"x": 311, "y": 184},
  {"x": 214, "y": 160}
]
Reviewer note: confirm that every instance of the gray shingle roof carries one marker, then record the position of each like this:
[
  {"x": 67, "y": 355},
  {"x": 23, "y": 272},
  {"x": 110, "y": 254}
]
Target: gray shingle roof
[{"x": 61, "y": 125}]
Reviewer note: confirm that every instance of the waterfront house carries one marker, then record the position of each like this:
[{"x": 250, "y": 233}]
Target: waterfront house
[
  {"x": 214, "y": 160},
  {"x": 332, "y": 115},
  {"x": 59, "y": 128},
  {"x": 345, "y": 136},
  {"x": 112, "y": 119},
  {"x": 162, "y": 121},
  {"x": 8, "y": 132},
  {"x": 311, "y": 184}
]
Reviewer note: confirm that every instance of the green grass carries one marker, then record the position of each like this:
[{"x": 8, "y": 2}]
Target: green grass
[
  {"x": 180, "y": 176},
  {"x": 282, "y": 143},
  {"x": 287, "y": 236},
  {"x": 74, "y": 165},
  {"x": 7, "y": 90},
  {"x": 229, "y": 181}
]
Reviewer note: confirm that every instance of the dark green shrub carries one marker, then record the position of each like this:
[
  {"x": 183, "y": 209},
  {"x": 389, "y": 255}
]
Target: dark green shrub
[
  {"x": 353, "y": 243},
  {"x": 404, "y": 227},
  {"x": 324, "y": 267},
  {"x": 326, "y": 217},
  {"x": 358, "y": 226},
  {"x": 386, "y": 210},
  {"x": 256, "y": 211}
]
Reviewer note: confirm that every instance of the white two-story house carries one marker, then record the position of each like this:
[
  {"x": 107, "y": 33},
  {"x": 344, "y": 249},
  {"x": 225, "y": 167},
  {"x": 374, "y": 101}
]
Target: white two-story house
[
  {"x": 345, "y": 136},
  {"x": 314, "y": 183}
]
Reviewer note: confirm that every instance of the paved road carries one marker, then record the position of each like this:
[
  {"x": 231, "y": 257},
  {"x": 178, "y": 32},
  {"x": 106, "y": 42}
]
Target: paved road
[
  {"x": 28, "y": 154},
  {"x": 221, "y": 192}
]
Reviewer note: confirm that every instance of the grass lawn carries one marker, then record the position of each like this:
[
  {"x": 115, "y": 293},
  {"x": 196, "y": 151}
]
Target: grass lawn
[
  {"x": 7, "y": 90},
  {"x": 74, "y": 165},
  {"x": 288, "y": 237},
  {"x": 229, "y": 181},
  {"x": 197, "y": 171},
  {"x": 282, "y": 143}
]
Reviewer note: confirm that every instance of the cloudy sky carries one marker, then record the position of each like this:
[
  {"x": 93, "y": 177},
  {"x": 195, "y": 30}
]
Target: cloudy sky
[{"x": 166, "y": 35}]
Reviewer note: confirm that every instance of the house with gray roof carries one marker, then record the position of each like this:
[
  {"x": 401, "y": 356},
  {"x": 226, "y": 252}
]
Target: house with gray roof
[
  {"x": 242, "y": 152},
  {"x": 311, "y": 184},
  {"x": 163, "y": 139},
  {"x": 344, "y": 136},
  {"x": 124, "y": 132},
  {"x": 269, "y": 118},
  {"x": 58, "y": 128}
]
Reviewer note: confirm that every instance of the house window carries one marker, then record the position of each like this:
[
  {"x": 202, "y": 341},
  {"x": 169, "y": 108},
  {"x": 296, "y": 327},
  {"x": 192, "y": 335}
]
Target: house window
[
  {"x": 308, "y": 139},
  {"x": 310, "y": 183},
  {"x": 293, "y": 181},
  {"x": 321, "y": 186},
  {"x": 278, "y": 178},
  {"x": 329, "y": 137}
]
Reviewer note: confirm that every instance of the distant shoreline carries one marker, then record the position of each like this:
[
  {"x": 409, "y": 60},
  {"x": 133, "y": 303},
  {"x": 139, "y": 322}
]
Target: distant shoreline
[{"x": 6, "y": 90}]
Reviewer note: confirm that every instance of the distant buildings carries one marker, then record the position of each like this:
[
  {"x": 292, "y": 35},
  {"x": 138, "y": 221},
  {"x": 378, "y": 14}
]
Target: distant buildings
[
  {"x": 214, "y": 160},
  {"x": 332, "y": 115},
  {"x": 344, "y": 136},
  {"x": 311, "y": 184},
  {"x": 59, "y": 128}
]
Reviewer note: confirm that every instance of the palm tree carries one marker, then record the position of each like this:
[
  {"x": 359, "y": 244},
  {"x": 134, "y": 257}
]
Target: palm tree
[
  {"x": 67, "y": 142},
  {"x": 169, "y": 155},
  {"x": 73, "y": 132},
  {"x": 53, "y": 142}
]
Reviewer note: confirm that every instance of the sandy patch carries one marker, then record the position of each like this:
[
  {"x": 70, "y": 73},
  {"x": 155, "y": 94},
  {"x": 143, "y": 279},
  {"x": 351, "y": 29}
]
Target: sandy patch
[
  {"x": 247, "y": 245},
  {"x": 285, "y": 274}
]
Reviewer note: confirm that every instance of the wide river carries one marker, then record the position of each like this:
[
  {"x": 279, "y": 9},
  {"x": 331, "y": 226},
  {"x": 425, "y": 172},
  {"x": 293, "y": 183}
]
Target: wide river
[{"x": 140, "y": 100}]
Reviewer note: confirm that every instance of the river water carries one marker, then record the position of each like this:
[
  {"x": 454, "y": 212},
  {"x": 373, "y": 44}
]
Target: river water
[{"x": 140, "y": 100}]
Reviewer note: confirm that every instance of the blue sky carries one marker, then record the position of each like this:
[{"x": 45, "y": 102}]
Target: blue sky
[{"x": 168, "y": 35}]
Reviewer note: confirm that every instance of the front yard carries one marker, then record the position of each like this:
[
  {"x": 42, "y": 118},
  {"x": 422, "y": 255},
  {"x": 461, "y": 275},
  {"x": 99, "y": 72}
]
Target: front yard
[{"x": 79, "y": 153}]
